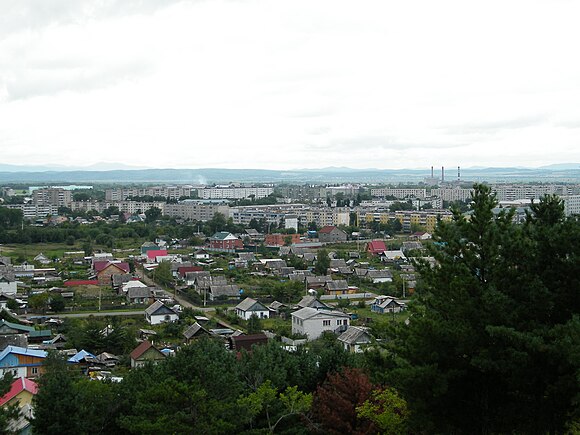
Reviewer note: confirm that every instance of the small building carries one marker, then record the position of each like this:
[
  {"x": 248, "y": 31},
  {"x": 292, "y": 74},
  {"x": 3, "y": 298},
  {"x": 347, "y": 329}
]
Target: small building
[
  {"x": 21, "y": 392},
  {"x": 376, "y": 247},
  {"x": 378, "y": 276},
  {"x": 139, "y": 295},
  {"x": 278, "y": 239},
  {"x": 201, "y": 254},
  {"x": 104, "y": 272},
  {"x": 227, "y": 291},
  {"x": 338, "y": 287},
  {"x": 250, "y": 307},
  {"x": 312, "y": 322},
  {"x": 158, "y": 313},
  {"x": 145, "y": 353},
  {"x": 312, "y": 302},
  {"x": 355, "y": 338},
  {"x": 387, "y": 304},
  {"x": 332, "y": 234},
  {"x": 8, "y": 283},
  {"x": 22, "y": 362},
  {"x": 194, "y": 331},
  {"x": 239, "y": 342}
]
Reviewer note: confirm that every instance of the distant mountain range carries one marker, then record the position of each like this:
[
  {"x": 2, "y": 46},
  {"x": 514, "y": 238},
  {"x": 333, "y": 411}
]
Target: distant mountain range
[{"x": 119, "y": 173}]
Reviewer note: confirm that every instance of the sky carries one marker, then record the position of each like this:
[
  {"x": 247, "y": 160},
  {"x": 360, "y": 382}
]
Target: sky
[{"x": 289, "y": 84}]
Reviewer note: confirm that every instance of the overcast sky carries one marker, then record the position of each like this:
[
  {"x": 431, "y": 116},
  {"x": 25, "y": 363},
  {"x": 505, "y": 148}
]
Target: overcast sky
[{"x": 289, "y": 84}]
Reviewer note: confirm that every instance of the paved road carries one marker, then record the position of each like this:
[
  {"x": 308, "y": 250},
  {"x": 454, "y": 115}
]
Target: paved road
[{"x": 90, "y": 313}]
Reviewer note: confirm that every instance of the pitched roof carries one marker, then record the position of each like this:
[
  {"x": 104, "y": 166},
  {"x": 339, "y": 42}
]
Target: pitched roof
[
  {"x": 194, "y": 330},
  {"x": 158, "y": 308},
  {"x": 250, "y": 304},
  {"x": 138, "y": 292},
  {"x": 17, "y": 387},
  {"x": 355, "y": 335},
  {"x": 153, "y": 253},
  {"x": 83, "y": 354},
  {"x": 22, "y": 351},
  {"x": 247, "y": 341},
  {"x": 307, "y": 313},
  {"x": 223, "y": 235},
  {"x": 224, "y": 290},
  {"x": 326, "y": 230},
  {"x": 376, "y": 246},
  {"x": 339, "y": 284},
  {"x": 312, "y": 302},
  {"x": 142, "y": 348}
]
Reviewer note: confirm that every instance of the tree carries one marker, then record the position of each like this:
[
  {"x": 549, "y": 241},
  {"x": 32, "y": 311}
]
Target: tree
[
  {"x": 38, "y": 302},
  {"x": 162, "y": 274},
  {"x": 56, "y": 408},
  {"x": 322, "y": 262},
  {"x": 493, "y": 339},
  {"x": 7, "y": 412},
  {"x": 387, "y": 410},
  {"x": 152, "y": 214},
  {"x": 336, "y": 400},
  {"x": 57, "y": 303},
  {"x": 254, "y": 324}
]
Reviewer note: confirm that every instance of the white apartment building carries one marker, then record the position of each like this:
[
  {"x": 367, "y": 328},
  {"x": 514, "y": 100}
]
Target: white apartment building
[
  {"x": 32, "y": 211},
  {"x": 52, "y": 196},
  {"x": 452, "y": 194},
  {"x": 571, "y": 204},
  {"x": 400, "y": 193},
  {"x": 194, "y": 210},
  {"x": 170, "y": 192},
  {"x": 234, "y": 192}
]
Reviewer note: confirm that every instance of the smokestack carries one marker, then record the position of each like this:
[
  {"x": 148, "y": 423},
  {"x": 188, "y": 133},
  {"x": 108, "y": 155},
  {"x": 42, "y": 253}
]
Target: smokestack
[
  {"x": 442, "y": 174},
  {"x": 431, "y": 171},
  {"x": 458, "y": 173}
]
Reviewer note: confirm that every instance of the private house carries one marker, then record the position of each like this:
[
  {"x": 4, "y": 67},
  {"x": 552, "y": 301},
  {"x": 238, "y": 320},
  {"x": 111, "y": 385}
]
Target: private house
[
  {"x": 104, "y": 270},
  {"x": 250, "y": 307},
  {"x": 182, "y": 271},
  {"x": 17, "y": 334},
  {"x": 119, "y": 279},
  {"x": 194, "y": 331},
  {"x": 8, "y": 283},
  {"x": 378, "y": 276},
  {"x": 228, "y": 291},
  {"x": 42, "y": 259},
  {"x": 331, "y": 234},
  {"x": 132, "y": 284},
  {"x": 239, "y": 342},
  {"x": 376, "y": 247},
  {"x": 21, "y": 362},
  {"x": 387, "y": 304},
  {"x": 158, "y": 313},
  {"x": 153, "y": 254},
  {"x": 312, "y": 302},
  {"x": 145, "y": 353},
  {"x": 148, "y": 246},
  {"x": 315, "y": 282},
  {"x": 21, "y": 392},
  {"x": 355, "y": 338},
  {"x": 201, "y": 254},
  {"x": 191, "y": 277},
  {"x": 312, "y": 322},
  {"x": 225, "y": 241},
  {"x": 338, "y": 287},
  {"x": 139, "y": 295}
]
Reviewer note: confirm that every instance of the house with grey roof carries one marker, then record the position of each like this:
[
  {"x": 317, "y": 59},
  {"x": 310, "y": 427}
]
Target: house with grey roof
[
  {"x": 355, "y": 339},
  {"x": 311, "y": 302},
  {"x": 228, "y": 291},
  {"x": 312, "y": 322},
  {"x": 139, "y": 295},
  {"x": 387, "y": 304},
  {"x": 250, "y": 307},
  {"x": 158, "y": 312},
  {"x": 378, "y": 276},
  {"x": 194, "y": 331}
]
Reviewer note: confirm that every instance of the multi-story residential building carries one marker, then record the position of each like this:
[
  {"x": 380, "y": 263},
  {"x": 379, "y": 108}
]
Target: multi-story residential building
[
  {"x": 571, "y": 204},
  {"x": 196, "y": 210},
  {"x": 130, "y": 207},
  {"x": 400, "y": 193},
  {"x": 169, "y": 192},
  {"x": 510, "y": 192},
  {"x": 32, "y": 211},
  {"x": 52, "y": 196},
  {"x": 425, "y": 219},
  {"x": 452, "y": 194},
  {"x": 234, "y": 192}
]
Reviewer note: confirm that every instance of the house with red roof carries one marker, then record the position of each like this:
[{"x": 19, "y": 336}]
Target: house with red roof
[
  {"x": 154, "y": 253},
  {"x": 104, "y": 274},
  {"x": 376, "y": 247},
  {"x": 145, "y": 353},
  {"x": 183, "y": 270},
  {"x": 21, "y": 392}
]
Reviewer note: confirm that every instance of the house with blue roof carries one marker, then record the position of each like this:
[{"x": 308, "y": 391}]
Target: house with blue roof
[{"x": 22, "y": 362}]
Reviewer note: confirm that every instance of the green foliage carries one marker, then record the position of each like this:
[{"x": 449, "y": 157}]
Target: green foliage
[
  {"x": 7, "y": 412},
  {"x": 322, "y": 262},
  {"x": 57, "y": 303},
  {"x": 386, "y": 410},
  {"x": 254, "y": 325},
  {"x": 490, "y": 345},
  {"x": 162, "y": 274}
]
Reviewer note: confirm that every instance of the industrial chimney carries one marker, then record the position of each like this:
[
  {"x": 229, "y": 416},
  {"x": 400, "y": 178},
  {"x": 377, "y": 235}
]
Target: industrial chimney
[
  {"x": 442, "y": 174},
  {"x": 431, "y": 171},
  {"x": 458, "y": 173}
]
